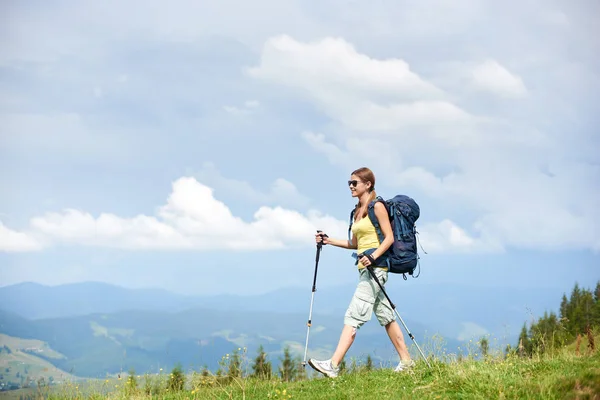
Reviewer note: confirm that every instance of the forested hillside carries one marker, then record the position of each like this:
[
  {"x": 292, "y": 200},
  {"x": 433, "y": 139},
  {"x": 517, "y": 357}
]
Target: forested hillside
[{"x": 578, "y": 316}]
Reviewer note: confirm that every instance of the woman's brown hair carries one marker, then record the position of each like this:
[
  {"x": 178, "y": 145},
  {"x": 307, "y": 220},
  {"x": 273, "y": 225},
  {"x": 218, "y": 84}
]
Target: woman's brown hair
[{"x": 365, "y": 175}]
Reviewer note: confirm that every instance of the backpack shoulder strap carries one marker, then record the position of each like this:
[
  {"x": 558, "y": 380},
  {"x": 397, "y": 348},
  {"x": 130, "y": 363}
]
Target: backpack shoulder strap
[
  {"x": 373, "y": 217},
  {"x": 350, "y": 225},
  {"x": 354, "y": 254}
]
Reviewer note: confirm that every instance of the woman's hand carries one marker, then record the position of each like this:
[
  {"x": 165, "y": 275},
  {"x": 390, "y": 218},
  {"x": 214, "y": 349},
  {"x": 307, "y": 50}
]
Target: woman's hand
[
  {"x": 321, "y": 237},
  {"x": 364, "y": 260}
]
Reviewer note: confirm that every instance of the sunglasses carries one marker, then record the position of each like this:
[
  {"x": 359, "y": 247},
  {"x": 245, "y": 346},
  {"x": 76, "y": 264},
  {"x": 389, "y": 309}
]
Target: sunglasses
[{"x": 353, "y": 183}]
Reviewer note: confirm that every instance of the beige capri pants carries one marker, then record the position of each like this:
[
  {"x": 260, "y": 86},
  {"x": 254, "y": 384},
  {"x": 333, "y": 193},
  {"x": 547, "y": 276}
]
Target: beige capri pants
[{"x": 369, "y": 298}]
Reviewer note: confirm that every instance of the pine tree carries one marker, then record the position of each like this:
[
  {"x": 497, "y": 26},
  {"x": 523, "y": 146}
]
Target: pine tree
[
  {"x": 524, "y": 343},
  {"x": 205, "y": 371},
  {"x": 369, "y": 365},
  {"x": 564, "y": 307},
  {"x": 262, "y": 368},
  {"x": 587, "y": 308},
  {"x": 596, "y": 312},
  {"x": 507, "y": 350},
  {"x": 301, "y": 373},
  {"x": 484, "y": 346},
  {"x": 176, "y": 380},
  {"x": 287, "y": 369},
  {"x": 576, "y": 316},
  {"x": 546, "y": 333},
  {"x": 205, "y": 378},
  {"x": 132, "y": 384},
  {"x": 235, "y": 365},
  {"x": 578, "y": 313},
  {"x": 583, "y": 311}
]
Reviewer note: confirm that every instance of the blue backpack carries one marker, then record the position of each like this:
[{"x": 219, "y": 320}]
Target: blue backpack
[{"x": 402, "y": 257}]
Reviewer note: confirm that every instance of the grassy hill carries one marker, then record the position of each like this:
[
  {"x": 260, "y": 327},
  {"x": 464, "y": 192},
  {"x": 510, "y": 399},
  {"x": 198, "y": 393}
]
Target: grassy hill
[
  {"x": 541, "y": 367},
  {"x": 20, "y": 362},
  {"x": 560, "y": 375}
]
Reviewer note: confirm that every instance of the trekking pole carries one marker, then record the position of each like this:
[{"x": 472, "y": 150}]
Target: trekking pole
[
  {"x": 312, "y": 297},
  {"x": 370, "y": 269}
]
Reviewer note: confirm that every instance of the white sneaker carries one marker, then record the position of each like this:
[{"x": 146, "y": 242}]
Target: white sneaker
[
  {"x": 404, "y": 365},
  {"x": 325, "y": 367}
]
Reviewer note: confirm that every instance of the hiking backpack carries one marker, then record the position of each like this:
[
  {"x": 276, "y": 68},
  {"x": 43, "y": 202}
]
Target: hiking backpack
[{"x": 402, "y": 257}]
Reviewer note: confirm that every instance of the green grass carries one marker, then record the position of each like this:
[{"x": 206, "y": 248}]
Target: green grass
[{"x": 562, "y": 375}]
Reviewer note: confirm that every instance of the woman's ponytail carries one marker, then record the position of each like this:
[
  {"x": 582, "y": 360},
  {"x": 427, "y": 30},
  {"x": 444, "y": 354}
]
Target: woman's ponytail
[
  {"x": 372, "y": 197},
  {"x": 366, "y": 175}
]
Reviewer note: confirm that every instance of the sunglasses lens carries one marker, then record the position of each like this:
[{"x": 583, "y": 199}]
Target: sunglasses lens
[{"x": 352, "y": 183}]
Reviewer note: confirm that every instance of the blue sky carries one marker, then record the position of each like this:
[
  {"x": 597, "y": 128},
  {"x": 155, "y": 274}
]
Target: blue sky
[{"x": 196, "y": 146}]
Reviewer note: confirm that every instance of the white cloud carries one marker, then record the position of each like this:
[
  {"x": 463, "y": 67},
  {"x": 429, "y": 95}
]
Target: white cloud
[
  {"x": 368, "y": 150},
  {"x": 191, "y": 219},
  {"x": 518, "y": 204},
  {"x": 447, "y": 237},
  {"x": 361, "y": 92},
  {"x": 514, "y": 204},
  {"x": 495, "y": 78},
  {"x": 11, "y": 241},
  {"x": 336, "y": 156},
  {"x": 333, "y": 63},
  {"x": 522, "y": 183},
  {"x": 495, "y": 171}
]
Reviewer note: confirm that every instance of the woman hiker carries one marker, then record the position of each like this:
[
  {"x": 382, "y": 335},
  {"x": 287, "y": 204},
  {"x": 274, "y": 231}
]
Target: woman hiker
[{"x": 368, "y": 297}]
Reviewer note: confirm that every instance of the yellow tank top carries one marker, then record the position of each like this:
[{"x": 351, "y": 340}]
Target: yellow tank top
[{"x": 366, "y": 236}]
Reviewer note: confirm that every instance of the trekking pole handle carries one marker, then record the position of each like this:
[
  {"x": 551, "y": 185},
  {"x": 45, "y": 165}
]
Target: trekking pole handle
[
  {"x": 323, "y": 235},
  {"x": 370, "y": 257}
]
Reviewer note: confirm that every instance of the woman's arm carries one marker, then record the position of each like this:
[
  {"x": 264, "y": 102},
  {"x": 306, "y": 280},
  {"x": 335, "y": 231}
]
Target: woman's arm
[{"x": 344, "y": 244}]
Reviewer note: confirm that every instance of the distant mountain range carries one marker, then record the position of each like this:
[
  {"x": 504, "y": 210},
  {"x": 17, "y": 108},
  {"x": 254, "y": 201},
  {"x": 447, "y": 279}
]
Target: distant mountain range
[
  {"x": 441, "y": 308},
  {"x": 105, "y": 343},
  {"x": 103, "y": 328}
]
